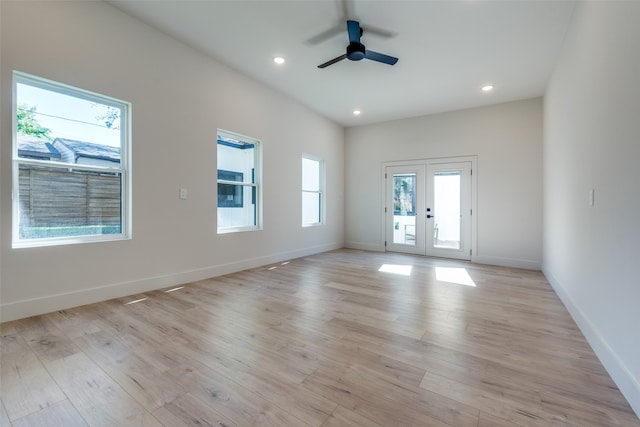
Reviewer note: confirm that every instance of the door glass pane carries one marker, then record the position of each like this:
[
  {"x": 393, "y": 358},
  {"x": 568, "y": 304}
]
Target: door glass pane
[
  {"x": 447, "y": 209},
  {"x": 404, "y": 209}
]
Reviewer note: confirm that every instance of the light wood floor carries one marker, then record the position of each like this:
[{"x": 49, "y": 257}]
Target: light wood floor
[{"x": 326, "y": 340}]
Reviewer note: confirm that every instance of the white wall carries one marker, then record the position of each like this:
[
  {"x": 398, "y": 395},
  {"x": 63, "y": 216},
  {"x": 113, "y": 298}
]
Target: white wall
[
  {"x": 592, "y": 141},
  {"x": 507, "y": 139},
  {"x": 179, "y": 98}
]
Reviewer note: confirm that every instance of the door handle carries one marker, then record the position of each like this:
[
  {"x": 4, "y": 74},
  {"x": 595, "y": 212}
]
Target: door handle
[{"x": 431, "y": 216}]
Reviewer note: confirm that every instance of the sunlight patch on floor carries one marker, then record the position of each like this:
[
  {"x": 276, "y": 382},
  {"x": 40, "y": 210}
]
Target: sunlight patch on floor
[
  {"x": 458, "y": 276},
  {"x": 404, "y": 270}
]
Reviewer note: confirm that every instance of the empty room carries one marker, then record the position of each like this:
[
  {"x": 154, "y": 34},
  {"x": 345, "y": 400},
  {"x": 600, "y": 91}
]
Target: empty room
[{"x": 319, "y": 213}]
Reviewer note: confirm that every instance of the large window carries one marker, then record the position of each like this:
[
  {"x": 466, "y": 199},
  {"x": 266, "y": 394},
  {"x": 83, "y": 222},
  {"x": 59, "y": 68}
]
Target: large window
[
  {"x": 238, "y": 183},
  {"x": 312, "y": 191},
  {"x": 70, "y": 165}
]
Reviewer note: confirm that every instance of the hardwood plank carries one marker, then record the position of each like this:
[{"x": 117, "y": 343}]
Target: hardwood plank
[
  {"x": 7, "y": 328},
  {"x": 517, "y": 407},
  {"x": 45, "y": 339},
  {"x": 573, "y": 411},
  {"x": 156, "y": 353},
  {"x": 339, "y": 351},
  {"x": 128, "y": 367},
  {"x": 231, "y": 399},
  {"x": 342, "y": 417},
  {"x": 27, "y": 387},
  {"x": 4, "y": 418},
  {"x": 282, "y": 390},
  {"x": 99, "y": 399},
  {"x": 188, "y": 410},
  {"x": 59, "y": 414},
  {"x": 366, "y": 404},
  {"x": 291, "y": 396},
  {"x": 487, "y": 420},
  {"x": 422, "y": 401},
  {"x": 324, "y": 340},
  {"x": 76, "y": 321},
  {"x": 167, "y": 417}
]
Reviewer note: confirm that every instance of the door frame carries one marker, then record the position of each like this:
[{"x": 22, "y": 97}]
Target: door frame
[{"x": 425, "y": 162}]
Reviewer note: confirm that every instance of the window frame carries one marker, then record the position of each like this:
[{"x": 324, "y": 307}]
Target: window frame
[
  {"x": 254, "y": 187},
  {"x": 321, "y": 190},
  {"x": 124, "y": 169}
]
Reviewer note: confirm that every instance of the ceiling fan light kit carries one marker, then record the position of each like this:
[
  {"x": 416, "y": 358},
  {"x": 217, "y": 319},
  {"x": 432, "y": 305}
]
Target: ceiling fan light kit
[{"x": 356, "y": 51}]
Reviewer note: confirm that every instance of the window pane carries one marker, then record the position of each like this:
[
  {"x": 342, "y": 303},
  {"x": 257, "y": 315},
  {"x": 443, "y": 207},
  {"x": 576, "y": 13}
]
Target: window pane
[
  {"x": 241, "y": 216},
  {"x": 311, "y": 208},
  {"x": 53, "y": 126},
  {"x": 229, "y": 195},
  {"x": 236, "y": 158},
  {"x": 312, "y": 191},
  {"x": 404, "y": 215},
  {"x": 310, "y": 175},
  {"x": 447, "y": 197},
  {"x": 71, "y": 172},
  {"x": 57, "y": 202}
]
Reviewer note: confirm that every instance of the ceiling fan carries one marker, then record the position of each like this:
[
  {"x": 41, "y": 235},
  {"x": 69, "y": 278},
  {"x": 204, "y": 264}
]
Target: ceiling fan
[
  {"x": 357, "y": 51},
  {"x": 346, "y": 11}
]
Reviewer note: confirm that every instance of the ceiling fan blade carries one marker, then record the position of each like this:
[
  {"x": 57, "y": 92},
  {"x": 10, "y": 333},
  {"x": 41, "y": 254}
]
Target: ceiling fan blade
[
  {"x": 333, "y": 61},
  {"x": 353, "y": 27},
  {"x": 380, "y": 57},
  {"x": 342, "y": 8},
  {"x": 379, "y": 32},
  {"x": 325, "y": 35},
  {"x": 345, "y": 8}
]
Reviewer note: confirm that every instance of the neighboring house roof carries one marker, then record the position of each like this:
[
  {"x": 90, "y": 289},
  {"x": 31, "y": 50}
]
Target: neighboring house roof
[
  {"x": 29, "y": 146},
  {"x": 91, "y": 150}
]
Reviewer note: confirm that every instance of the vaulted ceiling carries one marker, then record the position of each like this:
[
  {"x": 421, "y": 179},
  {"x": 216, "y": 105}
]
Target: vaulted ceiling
[{"x": 447, "y": 50}]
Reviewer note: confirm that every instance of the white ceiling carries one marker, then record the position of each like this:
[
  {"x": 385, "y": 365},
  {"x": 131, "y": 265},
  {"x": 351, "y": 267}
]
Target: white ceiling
[{"x": 448, "y": 49}]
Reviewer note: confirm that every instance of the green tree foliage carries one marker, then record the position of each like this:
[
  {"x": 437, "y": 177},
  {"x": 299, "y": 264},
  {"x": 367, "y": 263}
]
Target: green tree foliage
[
  {"x": 28, "y": 124},
  {"x": 110, "y": 116}
]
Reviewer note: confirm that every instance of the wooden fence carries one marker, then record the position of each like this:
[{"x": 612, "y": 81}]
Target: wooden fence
[{"x": 50, "y": 198}]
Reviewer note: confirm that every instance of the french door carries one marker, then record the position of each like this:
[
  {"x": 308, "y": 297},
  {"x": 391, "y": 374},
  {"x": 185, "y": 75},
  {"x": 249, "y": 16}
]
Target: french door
[
  {"x": 428, "y": 209},
  {"x": 404, "y": 209}
]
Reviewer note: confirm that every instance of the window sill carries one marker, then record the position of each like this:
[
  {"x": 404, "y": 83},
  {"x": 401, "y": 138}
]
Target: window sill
[{"x": 39, "y": 243}]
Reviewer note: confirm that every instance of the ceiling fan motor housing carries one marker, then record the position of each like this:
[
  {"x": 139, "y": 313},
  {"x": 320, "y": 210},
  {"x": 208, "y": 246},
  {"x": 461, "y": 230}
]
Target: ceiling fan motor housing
[{"x": 356, "y": 51}]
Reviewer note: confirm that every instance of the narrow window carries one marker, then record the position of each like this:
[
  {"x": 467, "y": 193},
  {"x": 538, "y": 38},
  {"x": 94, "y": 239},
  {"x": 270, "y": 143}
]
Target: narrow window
[
  {"x": 238, "y": 183},
  {"x": 70, "y": 165},
  {"x": 312, "y": 191}
]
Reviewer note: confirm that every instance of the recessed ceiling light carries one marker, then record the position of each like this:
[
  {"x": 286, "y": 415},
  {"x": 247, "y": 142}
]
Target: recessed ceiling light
[
  {"x": 356, "y": 112},
  {"x": 278, "y": 60},
  {"x": 487, "y": 88}
]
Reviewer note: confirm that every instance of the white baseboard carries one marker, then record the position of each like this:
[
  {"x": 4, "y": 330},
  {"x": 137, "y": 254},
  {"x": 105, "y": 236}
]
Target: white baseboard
[
  {"x": 502, "y": 262},
  {"x": 621, "y": 375},
  {"x": 507, "y": 262},
  {"x": 49, "y": 303},
  {"x": 373, "y": 247}
]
